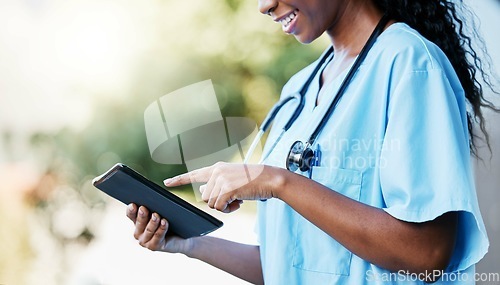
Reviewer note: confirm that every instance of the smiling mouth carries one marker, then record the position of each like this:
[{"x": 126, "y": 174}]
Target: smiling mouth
[{"x": 285, "y": 22}]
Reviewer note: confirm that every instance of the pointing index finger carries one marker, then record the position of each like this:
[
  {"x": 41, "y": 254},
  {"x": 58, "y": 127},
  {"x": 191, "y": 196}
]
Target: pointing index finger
[{"x": 199, "y": 175}]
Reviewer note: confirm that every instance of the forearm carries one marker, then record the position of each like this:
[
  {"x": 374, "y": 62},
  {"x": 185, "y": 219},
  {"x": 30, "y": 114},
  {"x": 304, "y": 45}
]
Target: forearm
[
  {"x": 240, "y": 260},
  {"x": 370, "y": 232}
]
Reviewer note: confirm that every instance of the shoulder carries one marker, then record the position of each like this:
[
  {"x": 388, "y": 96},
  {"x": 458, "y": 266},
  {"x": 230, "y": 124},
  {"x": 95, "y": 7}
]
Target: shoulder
[
  {"x": 402, "y": 53},
  {"x": 407, "y": 50}
]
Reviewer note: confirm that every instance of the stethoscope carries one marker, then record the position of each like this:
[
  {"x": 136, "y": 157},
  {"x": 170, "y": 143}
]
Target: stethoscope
[{"x": 301, "y": 155}]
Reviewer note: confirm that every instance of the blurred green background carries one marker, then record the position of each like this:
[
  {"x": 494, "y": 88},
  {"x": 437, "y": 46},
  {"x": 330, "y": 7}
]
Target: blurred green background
[{"x": 75, "y": 79}]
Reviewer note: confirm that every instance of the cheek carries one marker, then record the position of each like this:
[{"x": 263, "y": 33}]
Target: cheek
[
  {"x": 310, "y": 30},
  {"x": 321, "y": 14}
]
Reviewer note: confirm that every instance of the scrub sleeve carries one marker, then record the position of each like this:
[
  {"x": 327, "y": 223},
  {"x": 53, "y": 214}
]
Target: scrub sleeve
[{"x": 432, "y": 161}]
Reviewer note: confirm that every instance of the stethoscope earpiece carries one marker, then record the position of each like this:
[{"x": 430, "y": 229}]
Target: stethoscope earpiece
[{"x": 300, "y": 156}]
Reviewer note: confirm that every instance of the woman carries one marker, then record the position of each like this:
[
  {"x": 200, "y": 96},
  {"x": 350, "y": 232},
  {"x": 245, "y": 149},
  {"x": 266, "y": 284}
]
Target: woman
[{"x": 393, "y": 191}]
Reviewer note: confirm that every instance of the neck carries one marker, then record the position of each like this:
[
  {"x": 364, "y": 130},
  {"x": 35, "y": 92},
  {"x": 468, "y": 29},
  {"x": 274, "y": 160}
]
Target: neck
[{"x": 352, "y": 30}]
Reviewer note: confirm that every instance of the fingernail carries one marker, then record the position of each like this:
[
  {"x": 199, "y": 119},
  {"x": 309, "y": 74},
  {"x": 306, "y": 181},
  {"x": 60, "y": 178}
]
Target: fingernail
[
  {"x": 167, "y": 181},
  {"x": 154, "y": 218},
  {"x": 163, "y": 222},
  {"x": 131, "y": 208},
  {"x": 141, "y": 212}
]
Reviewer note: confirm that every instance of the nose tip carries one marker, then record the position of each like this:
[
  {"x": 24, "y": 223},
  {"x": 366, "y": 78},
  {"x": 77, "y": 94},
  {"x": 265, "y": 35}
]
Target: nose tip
[{"x": 266, "y": 7}]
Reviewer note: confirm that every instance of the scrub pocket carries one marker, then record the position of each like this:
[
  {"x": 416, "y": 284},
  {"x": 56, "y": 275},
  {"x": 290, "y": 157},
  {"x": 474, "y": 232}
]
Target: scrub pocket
[{"x": 314, "y": 250}]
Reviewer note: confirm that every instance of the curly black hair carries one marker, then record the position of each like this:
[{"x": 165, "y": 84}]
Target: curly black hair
[{"x": 442, "y": 22}]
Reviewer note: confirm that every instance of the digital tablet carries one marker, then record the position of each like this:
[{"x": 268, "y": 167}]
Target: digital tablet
[{"x": 185, "y": 220}]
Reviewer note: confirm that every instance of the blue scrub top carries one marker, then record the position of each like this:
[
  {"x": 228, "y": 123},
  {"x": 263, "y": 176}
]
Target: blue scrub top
[{"x": 398, "y": 140}]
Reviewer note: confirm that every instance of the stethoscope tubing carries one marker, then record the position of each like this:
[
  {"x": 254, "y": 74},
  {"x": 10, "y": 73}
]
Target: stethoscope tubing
[
  {"x": 267, "y": 122},
  {"x": 300, "y": 96},
  {"x": 271, "y": 115}
]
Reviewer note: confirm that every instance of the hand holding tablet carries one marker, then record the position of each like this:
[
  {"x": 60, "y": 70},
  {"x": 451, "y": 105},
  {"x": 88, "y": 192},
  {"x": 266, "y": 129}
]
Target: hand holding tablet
[{"x": 126, "y": 185}]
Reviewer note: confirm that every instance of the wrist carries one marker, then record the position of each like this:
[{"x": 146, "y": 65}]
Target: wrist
[
  {"x": 188, "y": 247},
  {"x": 279, "y": 181}
]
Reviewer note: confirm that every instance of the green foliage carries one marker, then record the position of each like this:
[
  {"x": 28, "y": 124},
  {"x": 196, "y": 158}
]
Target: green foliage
[
  {"x": 233, "y": 4},
  {"x": 251, "y": 50}
]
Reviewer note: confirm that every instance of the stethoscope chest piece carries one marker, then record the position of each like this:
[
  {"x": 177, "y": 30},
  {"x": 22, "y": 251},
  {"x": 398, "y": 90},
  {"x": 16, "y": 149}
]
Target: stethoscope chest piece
[{"x": 300, "y": 156}]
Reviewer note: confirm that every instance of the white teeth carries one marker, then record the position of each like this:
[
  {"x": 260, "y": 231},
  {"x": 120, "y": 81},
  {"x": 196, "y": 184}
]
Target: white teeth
[{"x": 288, "y": 19}]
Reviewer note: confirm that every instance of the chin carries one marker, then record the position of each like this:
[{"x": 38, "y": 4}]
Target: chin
[
  {"x": 305, "y": 40},
  {"x": 307, "y": 36}
]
